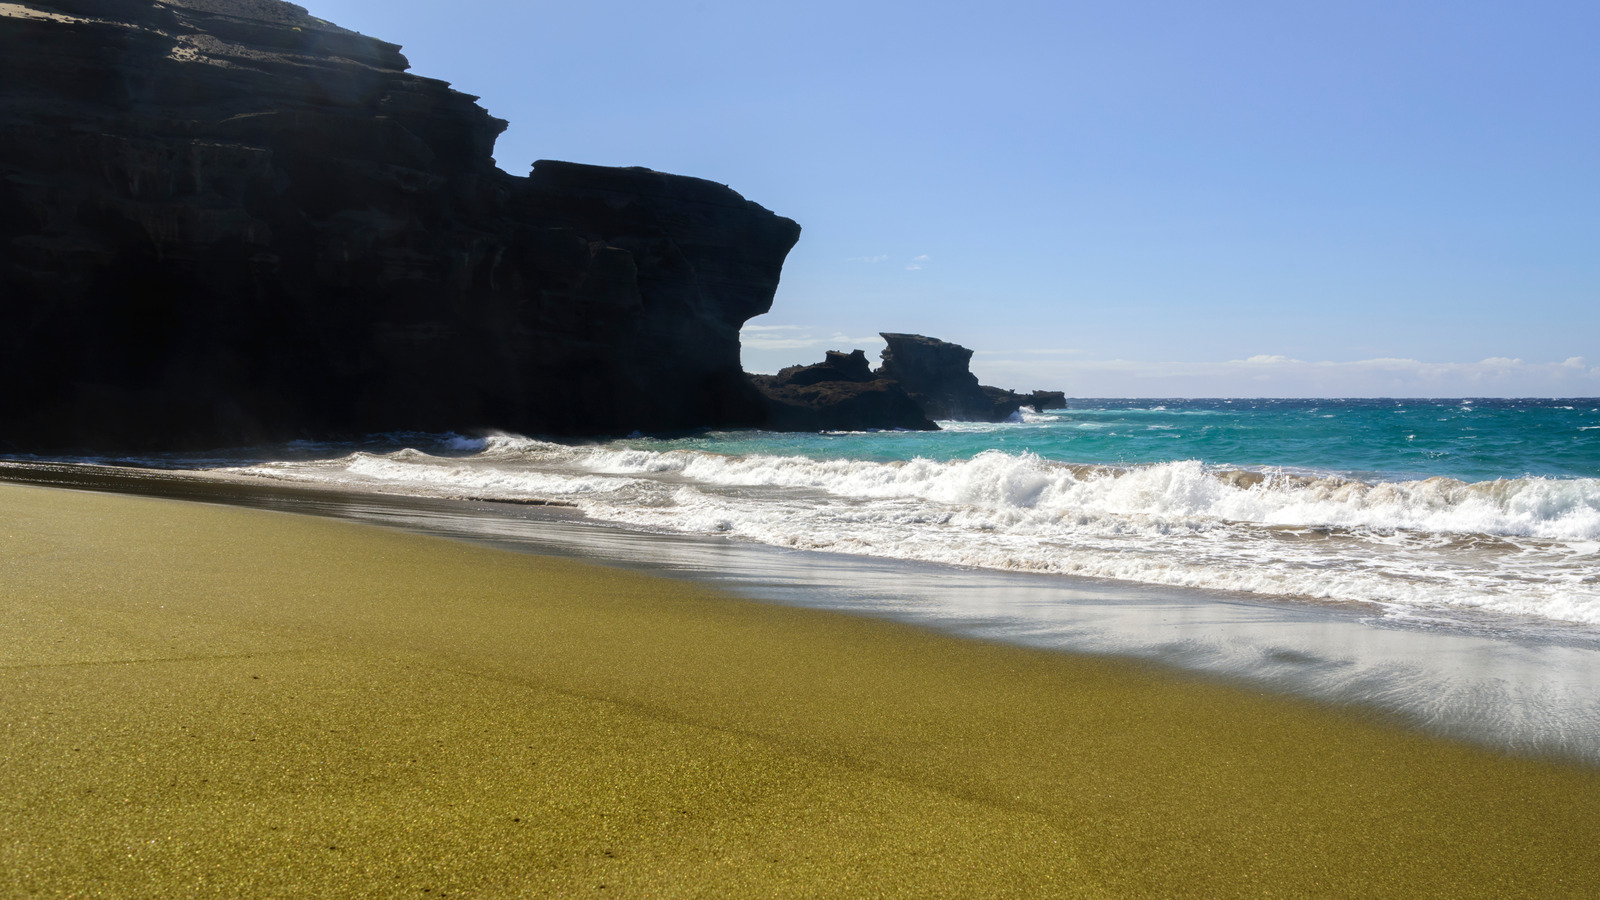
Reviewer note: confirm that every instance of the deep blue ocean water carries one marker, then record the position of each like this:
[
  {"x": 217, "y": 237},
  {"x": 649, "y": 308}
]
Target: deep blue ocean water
[{"x": 1382, "y": 440}]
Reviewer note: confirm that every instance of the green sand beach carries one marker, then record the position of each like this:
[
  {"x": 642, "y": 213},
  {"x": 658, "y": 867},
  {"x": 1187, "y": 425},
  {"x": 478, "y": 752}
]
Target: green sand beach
[{"x": 210, "y": 701}]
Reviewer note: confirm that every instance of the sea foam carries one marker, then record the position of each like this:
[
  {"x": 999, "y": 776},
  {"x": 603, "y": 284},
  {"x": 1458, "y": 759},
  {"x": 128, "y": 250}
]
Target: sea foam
[
  {"x": 1184, "y": 494},
  {"x": 1522, "y": 546}
]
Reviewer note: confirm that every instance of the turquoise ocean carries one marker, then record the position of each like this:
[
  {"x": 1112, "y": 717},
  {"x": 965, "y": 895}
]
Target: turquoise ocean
[{"x": 1462, "y": 511}]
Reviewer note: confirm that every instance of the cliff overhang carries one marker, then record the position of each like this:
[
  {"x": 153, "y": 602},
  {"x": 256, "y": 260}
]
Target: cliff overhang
[{"x": 225, "y": 222}]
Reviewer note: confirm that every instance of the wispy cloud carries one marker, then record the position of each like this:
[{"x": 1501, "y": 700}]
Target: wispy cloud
[
  {"x": 882, "y": 257},
  {"x": 798, "y": 337},
  {"x": 917, "y": 261}
]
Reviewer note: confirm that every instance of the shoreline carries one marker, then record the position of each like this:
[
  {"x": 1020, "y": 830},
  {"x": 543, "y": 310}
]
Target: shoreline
[
  {"x": 1524, "y": 689},
  {"x": 229, "y": 700}
]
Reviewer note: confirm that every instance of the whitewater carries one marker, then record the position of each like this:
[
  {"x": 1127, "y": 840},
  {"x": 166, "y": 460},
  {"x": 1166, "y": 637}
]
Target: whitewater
[{"x": 1423, "y": 510}]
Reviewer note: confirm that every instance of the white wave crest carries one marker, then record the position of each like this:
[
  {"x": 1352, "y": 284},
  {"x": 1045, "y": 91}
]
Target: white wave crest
[
  {"x": 1184, "y": 493},
  {"x": 1524, "y": 546},
  {"x": 415, "y": 472}
]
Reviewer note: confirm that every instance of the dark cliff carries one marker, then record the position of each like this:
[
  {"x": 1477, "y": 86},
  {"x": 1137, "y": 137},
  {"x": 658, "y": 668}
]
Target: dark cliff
[
  {"x": 226, "y": 221},
  {"x": 937, "y": 376},
  {"x": 1043, "y": 400},
  {"x": 841, "y": 393}
]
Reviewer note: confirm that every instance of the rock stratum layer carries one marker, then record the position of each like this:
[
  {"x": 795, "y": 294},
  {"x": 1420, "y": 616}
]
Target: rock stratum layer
[{"x": 226, "y": 222}]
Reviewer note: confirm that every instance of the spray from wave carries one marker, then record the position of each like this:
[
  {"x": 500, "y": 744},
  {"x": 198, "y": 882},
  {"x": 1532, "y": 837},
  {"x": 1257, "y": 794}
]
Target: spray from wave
[
  {"x": 1179, "y": 494},
  {"x": 1524, "y": 546}
]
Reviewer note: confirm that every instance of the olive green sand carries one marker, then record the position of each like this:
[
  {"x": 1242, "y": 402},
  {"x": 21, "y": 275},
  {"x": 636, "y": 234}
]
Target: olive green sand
[{"x": 199, "y": 700}]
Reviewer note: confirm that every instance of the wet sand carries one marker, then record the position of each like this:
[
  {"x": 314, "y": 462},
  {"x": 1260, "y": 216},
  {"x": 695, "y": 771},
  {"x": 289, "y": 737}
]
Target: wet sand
[
  {"x": 222, "y": 701},
  {"x": 1530, "y": 687}
]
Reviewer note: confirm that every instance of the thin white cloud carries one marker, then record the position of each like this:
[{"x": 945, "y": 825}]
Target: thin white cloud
[
  {"x": 764, "y": 338},
  {"x": 882, "y": 257},
  {"x": 912, "y": 268},
  {"x": 761, "y": 343},
  {"x": 923, "y": 258}
]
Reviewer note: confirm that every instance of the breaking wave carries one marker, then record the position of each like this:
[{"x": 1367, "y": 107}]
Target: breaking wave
[
  {"x": 1184, "y": 494},
  {"x": 1525, "y": 546}
]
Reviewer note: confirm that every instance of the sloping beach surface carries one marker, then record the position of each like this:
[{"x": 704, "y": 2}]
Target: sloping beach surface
[{"x": 221, "y": 701}]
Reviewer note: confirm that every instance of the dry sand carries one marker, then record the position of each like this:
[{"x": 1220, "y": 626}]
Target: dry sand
[{"x": 214, "y": 701}]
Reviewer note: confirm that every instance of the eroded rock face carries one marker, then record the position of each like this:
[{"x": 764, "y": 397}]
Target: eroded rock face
[
  {"x": 841, "y": 393},
  {"x": 936, "y": 375},
  {"x": 226, "y": 221}
]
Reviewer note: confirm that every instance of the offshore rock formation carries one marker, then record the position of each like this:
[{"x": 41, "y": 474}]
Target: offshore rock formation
[
  {"x": 1043, "y": 400},
  {"x": 936, "y": 375},
  {"x": 226, "y": 221},
  {"x": 841, "y": 393},
  {"x": 921, "y": 379}
]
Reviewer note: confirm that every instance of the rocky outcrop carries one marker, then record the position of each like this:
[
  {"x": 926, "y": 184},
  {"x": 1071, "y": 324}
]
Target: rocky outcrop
[
  {"x": 836, "y": 365},
  {"x": 1043, "y": 400},
  {"x": 921, "y": 379},
  {"x": 227, "y": 221},
  {"x": 936, "y": 375},
  {"x": 841, "y": 393}
]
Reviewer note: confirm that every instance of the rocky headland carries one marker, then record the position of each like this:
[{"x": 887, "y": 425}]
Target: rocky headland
[{"x": 228, "y": 221}]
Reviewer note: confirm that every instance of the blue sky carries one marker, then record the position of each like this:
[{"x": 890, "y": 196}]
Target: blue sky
[{"x": 1128, "y": 199}]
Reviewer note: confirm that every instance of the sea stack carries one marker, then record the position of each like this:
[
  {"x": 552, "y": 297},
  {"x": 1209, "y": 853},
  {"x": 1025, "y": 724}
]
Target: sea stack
[
  {"x": 225, "y": 222},
  {"x": 921, "y": 379},
  {"x": 937, "y": 376}
]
